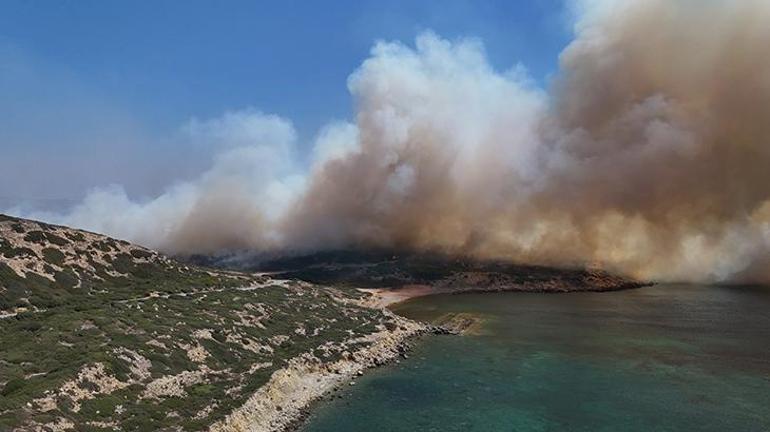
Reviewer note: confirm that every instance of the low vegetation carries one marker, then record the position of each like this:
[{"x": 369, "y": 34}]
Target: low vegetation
[
  {"x": 444, "y": 273},
  {"x": 101, "y": 335}
]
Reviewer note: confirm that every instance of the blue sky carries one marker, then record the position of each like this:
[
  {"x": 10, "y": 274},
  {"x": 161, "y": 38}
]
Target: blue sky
[{"x": 87, "y": 86}]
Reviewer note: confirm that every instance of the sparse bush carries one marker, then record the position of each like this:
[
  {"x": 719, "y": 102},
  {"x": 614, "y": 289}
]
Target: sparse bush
[
  {"x": 66, "y": 279},
  {"x": 12, "y": 252},
  {"x": 75, "y": 236},
  {"x": 53, "y": 256},
  {"x": 52, "y": 340},
  {"x": 43, "y": 238},
  {"x": 35, "y": 237},
  {"x": 30, "y": 326},
  {"x": 12, "y": 386},
  {"x": 123, "y": 263},
  {"x": 138, "y": 253}
]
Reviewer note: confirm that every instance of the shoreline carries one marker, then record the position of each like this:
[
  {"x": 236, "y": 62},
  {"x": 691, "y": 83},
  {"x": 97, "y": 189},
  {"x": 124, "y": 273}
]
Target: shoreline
[
  {"x": 384, "y": 298},
  {"x": 283, "y": 403}
]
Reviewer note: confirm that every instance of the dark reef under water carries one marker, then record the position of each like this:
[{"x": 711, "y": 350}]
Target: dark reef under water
[{"x": 662, "y": 358}]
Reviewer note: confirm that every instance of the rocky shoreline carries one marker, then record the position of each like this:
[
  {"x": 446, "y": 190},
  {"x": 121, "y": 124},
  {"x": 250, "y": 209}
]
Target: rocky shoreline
[
  {"x": 403, "y": 348},
  {"x": 284, "y": 402}
]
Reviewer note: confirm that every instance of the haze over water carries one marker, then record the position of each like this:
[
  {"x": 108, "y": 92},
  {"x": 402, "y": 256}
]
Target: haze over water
[{"x": 664, "y": 358}]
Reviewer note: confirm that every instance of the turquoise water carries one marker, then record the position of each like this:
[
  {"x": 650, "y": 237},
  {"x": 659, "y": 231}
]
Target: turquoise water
[{"x": 664, "y": 358}]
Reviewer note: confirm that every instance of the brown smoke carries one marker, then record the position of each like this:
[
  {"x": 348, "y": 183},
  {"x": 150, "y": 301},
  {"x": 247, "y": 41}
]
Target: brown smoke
[
  {"x": 650, "y": 155},
  {"x": 653, "y": 156}
]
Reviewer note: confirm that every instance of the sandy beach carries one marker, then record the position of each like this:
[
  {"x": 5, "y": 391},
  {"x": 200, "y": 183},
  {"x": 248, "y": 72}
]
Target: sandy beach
[{"x": 384, "y": 297}]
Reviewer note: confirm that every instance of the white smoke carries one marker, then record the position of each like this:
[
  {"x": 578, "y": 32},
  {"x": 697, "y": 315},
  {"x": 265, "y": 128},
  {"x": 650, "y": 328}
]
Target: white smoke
[
  {"x": 235, "y": 204},
  {"x": 649, "y": 156}
]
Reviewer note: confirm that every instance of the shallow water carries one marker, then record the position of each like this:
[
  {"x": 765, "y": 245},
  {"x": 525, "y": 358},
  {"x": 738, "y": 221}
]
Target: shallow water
[{"x": 663, "y": 358}]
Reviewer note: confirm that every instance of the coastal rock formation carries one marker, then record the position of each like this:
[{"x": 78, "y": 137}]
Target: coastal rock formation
[{"x": 283, "y": 400}]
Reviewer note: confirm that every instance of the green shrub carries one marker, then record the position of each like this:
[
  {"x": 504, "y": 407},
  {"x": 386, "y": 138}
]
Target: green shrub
[
  {"x": 30, "y": 326},
  {"x": 103, "y": 246},
  {"x": 35, "y": 237},
  {"x": 138, "y": 253},
  {"x": 123, "y": 263},
  {"x": 66, "y": 279},
  {"x": 42, "y": 237},
  {"x": 58, "y": 241},
  {"x": 75, "y": 236},
  {"x": 11, "y": 252},
  {"x": 53, "y": 256},
  {"x": 201, "y": 389},
  {"x": 12, "y": 386}
]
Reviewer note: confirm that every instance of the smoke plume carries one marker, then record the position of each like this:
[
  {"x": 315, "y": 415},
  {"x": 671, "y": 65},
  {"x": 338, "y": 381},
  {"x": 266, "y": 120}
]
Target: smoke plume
[{"x": 648, "y": 155}]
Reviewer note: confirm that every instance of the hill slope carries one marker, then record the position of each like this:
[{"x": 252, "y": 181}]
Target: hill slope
[
  {"x": 442, "y": 273},
  {"x": 99, "y": 334},
  {"x": 44, "y": 266}
]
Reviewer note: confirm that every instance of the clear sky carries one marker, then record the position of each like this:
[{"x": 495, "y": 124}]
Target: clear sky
[{"x": 89, "y": 89}]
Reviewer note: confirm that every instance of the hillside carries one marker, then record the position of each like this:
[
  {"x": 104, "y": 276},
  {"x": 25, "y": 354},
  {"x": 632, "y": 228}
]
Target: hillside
[
  {"x": 441, "y": 273},
  {"x": 98, "y": 334}
]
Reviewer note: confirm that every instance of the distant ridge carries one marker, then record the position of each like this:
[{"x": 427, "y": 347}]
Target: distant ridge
[{"x": 382, "y": 268}]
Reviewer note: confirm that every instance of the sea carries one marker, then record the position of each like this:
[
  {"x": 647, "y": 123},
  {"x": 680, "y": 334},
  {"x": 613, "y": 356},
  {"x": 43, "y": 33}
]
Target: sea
[{"x": 662, "y": 358}]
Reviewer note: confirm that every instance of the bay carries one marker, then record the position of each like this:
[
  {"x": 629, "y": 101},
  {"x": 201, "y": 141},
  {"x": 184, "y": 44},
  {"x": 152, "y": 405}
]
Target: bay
[{"x": 661, "y": 358}]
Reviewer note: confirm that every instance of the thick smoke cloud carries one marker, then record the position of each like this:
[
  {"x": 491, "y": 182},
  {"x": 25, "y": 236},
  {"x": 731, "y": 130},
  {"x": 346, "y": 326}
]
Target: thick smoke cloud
[
  {"x": 648, "y": 156},
  {"x": 233, "y": 205}
]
